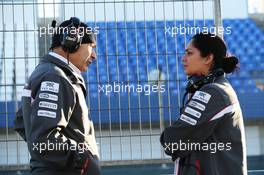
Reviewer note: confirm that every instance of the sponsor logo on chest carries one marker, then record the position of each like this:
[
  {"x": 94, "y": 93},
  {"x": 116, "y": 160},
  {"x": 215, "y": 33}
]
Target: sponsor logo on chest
[
  {"x": 202, "y": 96},
  {"x": 48, "y": 105},
  {"x": 48, "y": 96},
  {"x": 49, "y": 86}
]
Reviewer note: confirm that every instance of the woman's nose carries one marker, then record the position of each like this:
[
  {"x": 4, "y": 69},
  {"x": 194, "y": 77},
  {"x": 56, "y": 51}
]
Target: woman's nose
[{"x": 93, "y": 55}]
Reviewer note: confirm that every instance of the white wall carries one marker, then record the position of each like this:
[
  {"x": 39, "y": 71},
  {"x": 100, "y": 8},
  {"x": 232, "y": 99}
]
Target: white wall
[
  {"x": 232, "y": 9},
  {"x": 130, "y": 11},
  {"x": 256, "y": 6},
  {"x": 253, "y": 140},
  {"x": 163, "y": 10}
]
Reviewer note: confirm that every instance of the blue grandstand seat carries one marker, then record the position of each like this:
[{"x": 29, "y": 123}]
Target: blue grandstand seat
[
  {"x": 102, "y": 70},
  {"x": 256, "y": 90},
  {"x": 121, "y": 48},
  {"x": 248, "y": 82},
  {"x": 141, "y": 47},
  {"x": 103, "y": 78},
  {"x": 235, "y": 83},
  {"x": 102, "y": 34},
  {"x": 93, "y": 87},
  {"x": 171, "y": 60},
  {"x": 93, "y": 94},
  {"x": 92, "y": 78},
  {"x": 122, "y": 61},
  {"x": 120, "y": 25},
  {"x": 131, "y": 48},
  {"x": 7, "y": 114},
  {"x": 113, "y": 78},
  {"x": 249, "y": 66},
  {"x": 130, "y": 25},
  {"x": 100, "y": 48},
  {"x": 243, "y": 73},
  {"x": 143, "y": 77},
  {"x": 172, "y": 84},
  {"x": 160, "y": 24},
  {"x": 140, "y": 24},
  {"x": 112, "y": 60},
  {"x": 110, "y": 25},
  {"x": 101, "y": 25}
]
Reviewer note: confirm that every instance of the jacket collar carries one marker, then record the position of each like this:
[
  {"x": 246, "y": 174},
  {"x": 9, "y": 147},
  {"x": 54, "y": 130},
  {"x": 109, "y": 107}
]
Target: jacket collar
[
  {"x": 73, "y": 76},
  {"x": 61, "y": 58}
]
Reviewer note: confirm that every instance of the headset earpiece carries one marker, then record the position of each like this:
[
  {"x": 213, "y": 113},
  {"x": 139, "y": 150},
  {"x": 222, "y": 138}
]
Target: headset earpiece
[{"x": 71, "y": 39}]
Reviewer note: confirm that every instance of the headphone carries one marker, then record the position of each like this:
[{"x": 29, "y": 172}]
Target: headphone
[
  {"x": 196, "y": 82},
  {"x": 71, "y": 39}
]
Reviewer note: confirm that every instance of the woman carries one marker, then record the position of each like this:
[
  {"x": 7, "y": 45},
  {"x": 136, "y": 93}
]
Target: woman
[{"x": 208, "y": 138}]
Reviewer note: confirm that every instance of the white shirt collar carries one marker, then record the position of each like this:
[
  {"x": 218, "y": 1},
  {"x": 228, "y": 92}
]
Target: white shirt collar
[{"x": 75, "y": 69}]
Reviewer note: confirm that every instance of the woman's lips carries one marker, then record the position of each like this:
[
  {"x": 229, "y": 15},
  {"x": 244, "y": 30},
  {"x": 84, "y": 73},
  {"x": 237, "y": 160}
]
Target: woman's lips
[{"x": 89, "y": 62}]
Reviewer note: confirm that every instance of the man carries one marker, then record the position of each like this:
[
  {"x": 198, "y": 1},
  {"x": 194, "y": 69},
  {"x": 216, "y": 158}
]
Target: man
[{"x": 54, "y": 117}]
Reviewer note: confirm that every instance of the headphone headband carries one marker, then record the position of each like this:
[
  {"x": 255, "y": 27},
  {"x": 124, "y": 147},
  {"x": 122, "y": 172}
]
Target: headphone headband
[{"x": 75, "y": 22}]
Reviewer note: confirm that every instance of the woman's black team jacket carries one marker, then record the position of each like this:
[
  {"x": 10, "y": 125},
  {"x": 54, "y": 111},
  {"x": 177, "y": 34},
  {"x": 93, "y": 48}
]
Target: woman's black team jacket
[{"x": 208, "y": 138}]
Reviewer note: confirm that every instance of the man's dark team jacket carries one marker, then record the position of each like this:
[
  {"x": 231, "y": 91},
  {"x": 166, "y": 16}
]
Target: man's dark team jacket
[
  {"x": 54, "y": 113},
  {"x": 208, "y": 138}
]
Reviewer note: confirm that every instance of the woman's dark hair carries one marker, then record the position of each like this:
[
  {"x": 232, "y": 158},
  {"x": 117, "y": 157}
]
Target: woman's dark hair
[{"x": 207, "y": 44}]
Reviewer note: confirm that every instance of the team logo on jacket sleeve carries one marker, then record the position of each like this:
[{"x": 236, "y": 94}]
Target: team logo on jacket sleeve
[
  {"x": 44, "y": 113},
  {"x": 196, "y": 105},
  {"x": 49, "y": 86},
  {"x": 192, "y": 112},
  {"x": 202, "y": 96},
  {"x": 188, "y": 119},
  {"x": 48, "y": 105},
  {"x": 48, "y": 96}
]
